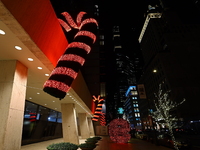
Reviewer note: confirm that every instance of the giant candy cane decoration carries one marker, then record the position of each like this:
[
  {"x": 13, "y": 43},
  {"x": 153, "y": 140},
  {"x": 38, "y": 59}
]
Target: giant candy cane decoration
[
  {"x": 70, "y": 62},
  {"x": 98, "y": 110}
]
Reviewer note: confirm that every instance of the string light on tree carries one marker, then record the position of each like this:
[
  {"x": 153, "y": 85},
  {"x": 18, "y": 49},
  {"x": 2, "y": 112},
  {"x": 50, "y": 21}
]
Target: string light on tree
[{"x": 163, "y": 108}]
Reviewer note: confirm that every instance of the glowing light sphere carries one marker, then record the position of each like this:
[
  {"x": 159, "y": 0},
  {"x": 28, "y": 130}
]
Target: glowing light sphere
[{"x": 119, "y": 131}]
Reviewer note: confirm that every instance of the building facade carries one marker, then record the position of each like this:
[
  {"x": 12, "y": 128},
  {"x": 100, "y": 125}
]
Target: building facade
[
  {"x": 32, "y": 41},
  {"x": 169, "y": 43}
]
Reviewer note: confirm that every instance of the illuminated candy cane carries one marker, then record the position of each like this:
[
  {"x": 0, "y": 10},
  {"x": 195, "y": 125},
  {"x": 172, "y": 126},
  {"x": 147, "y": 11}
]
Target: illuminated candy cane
[
  {"x": 70, "y": 62},
  {"x": 102, "y": 119},
  {"x": 98, "y": 110}
]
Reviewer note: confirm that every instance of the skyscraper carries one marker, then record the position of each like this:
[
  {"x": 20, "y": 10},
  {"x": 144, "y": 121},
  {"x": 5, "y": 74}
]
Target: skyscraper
[
  {"x": 122, "y": 70},
  {"x": 169, "y": 43}
]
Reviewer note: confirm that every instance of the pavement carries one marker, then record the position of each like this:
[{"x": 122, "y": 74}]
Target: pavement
[
  {"x": 133, "y": 144},
  {"x": 106, "y": 144}
]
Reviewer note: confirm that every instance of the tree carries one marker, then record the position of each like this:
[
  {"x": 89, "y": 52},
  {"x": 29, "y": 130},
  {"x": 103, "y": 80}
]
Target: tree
[{"x": 164, "y": 106}]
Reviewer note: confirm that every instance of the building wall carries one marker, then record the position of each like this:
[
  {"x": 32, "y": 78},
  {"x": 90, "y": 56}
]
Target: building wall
[
  {"x": 174, "y": 53},
  {"x": 40, "y": 22}
]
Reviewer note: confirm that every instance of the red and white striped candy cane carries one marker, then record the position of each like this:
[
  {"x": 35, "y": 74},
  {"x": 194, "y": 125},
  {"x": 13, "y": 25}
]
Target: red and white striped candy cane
[{"x": 70, "y": 62}]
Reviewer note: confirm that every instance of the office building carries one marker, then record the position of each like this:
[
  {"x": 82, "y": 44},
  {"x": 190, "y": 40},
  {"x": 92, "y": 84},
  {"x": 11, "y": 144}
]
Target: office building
[
  {"x": 124, "y": 67},
  {"x": 169, "y": 42}
]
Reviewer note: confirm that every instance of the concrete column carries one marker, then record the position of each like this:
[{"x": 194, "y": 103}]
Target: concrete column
[
  {"x": 13, "y": 80},
  {"x": 91, "y": 126},
  {"x": 69, "y": 123},
  {"x": 84, "y": 128}
]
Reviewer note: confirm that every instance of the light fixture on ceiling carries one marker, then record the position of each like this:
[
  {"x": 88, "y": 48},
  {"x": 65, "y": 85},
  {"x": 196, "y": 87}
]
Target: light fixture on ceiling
[
  {"x": 47, "y": 74},
  {"x": 18, "y": 48},
  {"x": 2, "y": 32},
  {"x": 39, "y": 68},
  {"x": 30, "y": 59}
]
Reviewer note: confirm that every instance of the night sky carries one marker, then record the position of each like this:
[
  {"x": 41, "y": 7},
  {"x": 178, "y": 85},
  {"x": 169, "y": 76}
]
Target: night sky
[{"x": 129, "y": 15}]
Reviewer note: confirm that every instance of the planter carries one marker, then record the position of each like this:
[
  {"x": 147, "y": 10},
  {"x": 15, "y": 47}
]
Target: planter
[
  {"x": 60, "y": 149},
  {"x": 87, "y": 148},
  {"x": 62, "y": 146}
]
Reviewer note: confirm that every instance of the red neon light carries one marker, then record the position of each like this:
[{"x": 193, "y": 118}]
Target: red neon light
[
  {"x": 86, "y": 21},
  {"x": 58, "y": 85},
  {"x": 102, "y": 120},
  {"x": 95, "y": 119},
  {"x": 72, "y": 57},
  {"x": 96, "y": 116},
  {"x": 86, "y": 33},
  {"x": 79, "y": 18},
  {"x": 65, "y": 25},
  {"x": 80, "y": 45},
  {"x": 70, "y": 20},
  {"x": 65, "y": 71}
]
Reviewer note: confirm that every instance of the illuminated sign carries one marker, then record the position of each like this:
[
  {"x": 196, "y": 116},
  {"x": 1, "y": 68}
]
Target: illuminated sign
[
  {"x": 129, "y": 90},
  {"x": 120, "y": 110}
]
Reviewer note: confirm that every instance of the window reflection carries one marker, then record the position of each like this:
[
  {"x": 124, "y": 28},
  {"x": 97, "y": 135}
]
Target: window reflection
[
  {"x": 52, "y": 116},
  {"x": 59, "y": 119},
  {"x": 40, "y": 123},
  {"x": 30, "y": 111},
  {"x": 43, "y": 113}
]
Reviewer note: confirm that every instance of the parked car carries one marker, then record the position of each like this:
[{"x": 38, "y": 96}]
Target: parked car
[
  {"x": 141, "y": 135},
  {"x": 166, "y": 140}
]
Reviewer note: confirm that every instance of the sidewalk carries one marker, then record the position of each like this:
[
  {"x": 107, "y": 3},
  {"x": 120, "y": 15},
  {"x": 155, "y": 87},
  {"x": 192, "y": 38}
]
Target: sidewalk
[
  {"x": 134, "y": 144},
  {"x": 104, "y": 144}
]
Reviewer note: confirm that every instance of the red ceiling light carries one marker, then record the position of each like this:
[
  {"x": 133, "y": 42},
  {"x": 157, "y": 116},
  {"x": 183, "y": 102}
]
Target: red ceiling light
[{"x": 70, "y": 62}]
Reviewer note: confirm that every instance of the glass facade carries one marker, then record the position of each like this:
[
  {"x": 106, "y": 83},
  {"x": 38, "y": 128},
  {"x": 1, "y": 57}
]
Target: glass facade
[{"x": 40, "y": 124}]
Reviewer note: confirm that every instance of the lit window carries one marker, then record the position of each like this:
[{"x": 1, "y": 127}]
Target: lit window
[
  {"x": 134, "y": 93},
  {"x": 135, "y": 105},
  {"x": 137, "y": 114},
  {"x": 134, "y": 97},
  {"x": 101, "y": 42},
  {"x": 136, "y": 110},
  {"x": 102, "y": 37}
]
